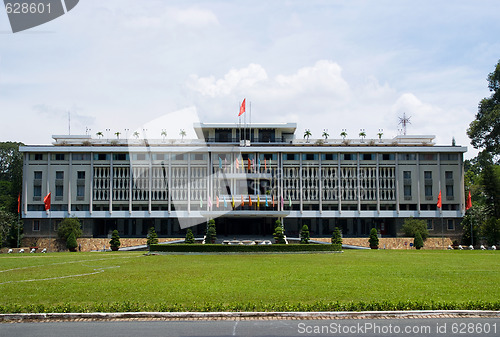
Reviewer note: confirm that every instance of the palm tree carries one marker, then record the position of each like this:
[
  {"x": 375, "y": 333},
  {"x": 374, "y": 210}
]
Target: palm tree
[
  {"x": 343, "y": 134},
  {"x": 325, "y": 134},
  {"x": 163, "y": 134},
  {"x": 99, "y": 134},
  {"x": 118, "y": 135},
  {"x": 307, "y": 134},
  {"x": 362, "y": 134},
  {"x": 182, "y": 134},
  {"x": 136, "y": 135},
  {"x": 380, "y": 134}
]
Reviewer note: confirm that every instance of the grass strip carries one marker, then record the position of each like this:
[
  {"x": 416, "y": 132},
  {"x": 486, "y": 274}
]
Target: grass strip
[{"x": 250, "y": 307}]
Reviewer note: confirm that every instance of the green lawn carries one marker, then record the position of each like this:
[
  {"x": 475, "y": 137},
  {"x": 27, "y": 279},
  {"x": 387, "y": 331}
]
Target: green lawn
[{"x": 195, "y": 280}]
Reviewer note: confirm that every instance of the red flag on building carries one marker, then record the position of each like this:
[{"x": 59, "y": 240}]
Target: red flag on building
[
  {"x": 468, "y": 204},
  {"x": 249, "y": 164},
  {"x": 242, "y": 202},
  {"x": 46, "y": 201},
  {"x": 19, "y": 203},
  {"x": 242, "y": 108},
  {"x": 250, "y": 201},
  {"x": 439, "y": 203}
]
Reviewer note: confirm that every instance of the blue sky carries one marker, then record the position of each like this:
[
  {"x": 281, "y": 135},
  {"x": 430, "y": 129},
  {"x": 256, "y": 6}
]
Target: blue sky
[{"x": 151, "y": 64}]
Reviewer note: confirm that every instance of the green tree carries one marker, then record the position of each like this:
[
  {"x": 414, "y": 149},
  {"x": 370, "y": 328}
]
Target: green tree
[
  {"x": 337, "y": 239},
  {"x": 278, "y": 234},
  {"x": 417, "y": 241},
  {"x": 490, "y": 183},
  {"x": 115, "y": 243},
  {"x": 307, "y": 134},
  {"x": 11, "y": 174},
  {"x": 211, "y": 234},
  {"x": 9, "y": 229},
  {"x": 484, "y": 131},
  {"x": 189, "y": 237},
  {"x": 475, "y": 218},
  {"x": 412, "y": 226},
  {"x": 68, "y": 226},
  {"x": 491, "y": 231},
  {"x": 152, "y": 237},
  {"x": 304, "y": 235},
  {"x": 71, "y": 243},
  {"x": 373, "y": 240}
]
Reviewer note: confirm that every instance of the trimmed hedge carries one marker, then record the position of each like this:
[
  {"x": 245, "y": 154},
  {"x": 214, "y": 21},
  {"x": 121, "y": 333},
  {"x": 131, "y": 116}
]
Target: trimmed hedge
[
  {"x": 184, "y": 248},
  {"x": 249, "y": 307}
]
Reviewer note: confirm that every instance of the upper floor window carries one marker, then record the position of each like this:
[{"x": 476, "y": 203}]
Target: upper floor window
[
  {"x": 37, "y": 175},
  {"x": 349, "y": 156},
  {"x": 38, "y": 156},
  {"x": 120, "y": 156},
  {"x": 59, "y": 156},
  {"x": 428, "y": 156},
  {"x": 329, "y": 156},
  {"x": 407, "y": 156},
  {"x": 309, "y": 156},
  {"x": 101, "y": 156},
  {"x": 291, "y": 156},
  {"x": 387, "y": 156},
  {"x": 80, "y": 156}
]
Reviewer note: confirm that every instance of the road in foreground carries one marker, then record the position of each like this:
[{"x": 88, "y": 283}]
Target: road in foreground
[{"x": 445, "y": 327}]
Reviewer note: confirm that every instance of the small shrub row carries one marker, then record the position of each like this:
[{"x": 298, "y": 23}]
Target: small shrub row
[
  {"x": 250, "y": 307},
  {"x": 240, "y": 248}
]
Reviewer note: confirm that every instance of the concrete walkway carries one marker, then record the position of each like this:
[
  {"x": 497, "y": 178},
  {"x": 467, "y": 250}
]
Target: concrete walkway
[{"x": 178, "y": 316}]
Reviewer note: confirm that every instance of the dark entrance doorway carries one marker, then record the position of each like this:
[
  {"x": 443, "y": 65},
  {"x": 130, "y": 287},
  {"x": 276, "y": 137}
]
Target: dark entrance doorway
[{"x": 238, "y": 226}]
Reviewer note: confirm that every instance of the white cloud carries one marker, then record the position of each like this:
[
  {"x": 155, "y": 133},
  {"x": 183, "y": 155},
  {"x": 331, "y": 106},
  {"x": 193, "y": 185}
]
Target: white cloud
[{"x": 235, "y": 80}]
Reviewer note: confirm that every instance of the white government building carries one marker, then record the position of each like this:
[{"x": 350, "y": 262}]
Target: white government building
[{"x": 245, "y": 179}]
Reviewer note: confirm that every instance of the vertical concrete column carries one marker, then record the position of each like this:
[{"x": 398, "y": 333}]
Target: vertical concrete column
[
  {"x": 110, "y": 183},
  {"x": 169, "y": 182},
  {"x": 189, "y": 182},
  {"x": 70, "y": 179},
  {"x": 339, "y": 179},
  {"x": 377, "y": 175},
  {"x": 130, "y": 186},
  {"x": 418, "y": 183},
  {"x": 359, "y": 183},
  {"x": 396, "y": 173},
  {"x": 300, "y": 183},
  {"x": 91, "y": 189},
  {"x": 150, "y": 181},
  {"x": 320, "y": 185}
]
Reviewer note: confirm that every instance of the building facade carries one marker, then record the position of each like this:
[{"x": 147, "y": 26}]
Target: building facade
[{"x": 245, "y": 179}]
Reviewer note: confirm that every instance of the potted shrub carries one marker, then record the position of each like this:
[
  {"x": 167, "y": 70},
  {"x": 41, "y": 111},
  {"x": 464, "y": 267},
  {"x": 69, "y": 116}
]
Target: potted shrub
[
  {"x": 114, "y": 243},
  {"x": 373, "y": 239}
]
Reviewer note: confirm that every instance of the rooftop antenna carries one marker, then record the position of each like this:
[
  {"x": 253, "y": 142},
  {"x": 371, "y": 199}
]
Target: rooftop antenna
[
  {"x": 69, "y": 123},
  {"x": 404, "y": 121}
]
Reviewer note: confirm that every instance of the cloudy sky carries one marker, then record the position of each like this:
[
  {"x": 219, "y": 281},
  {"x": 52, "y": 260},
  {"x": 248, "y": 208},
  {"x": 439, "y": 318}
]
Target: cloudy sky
[{"x": 152, "y": 64}]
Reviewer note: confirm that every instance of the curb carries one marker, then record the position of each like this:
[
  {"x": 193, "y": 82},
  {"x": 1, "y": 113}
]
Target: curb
[{"x": 98, "y": 316}]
